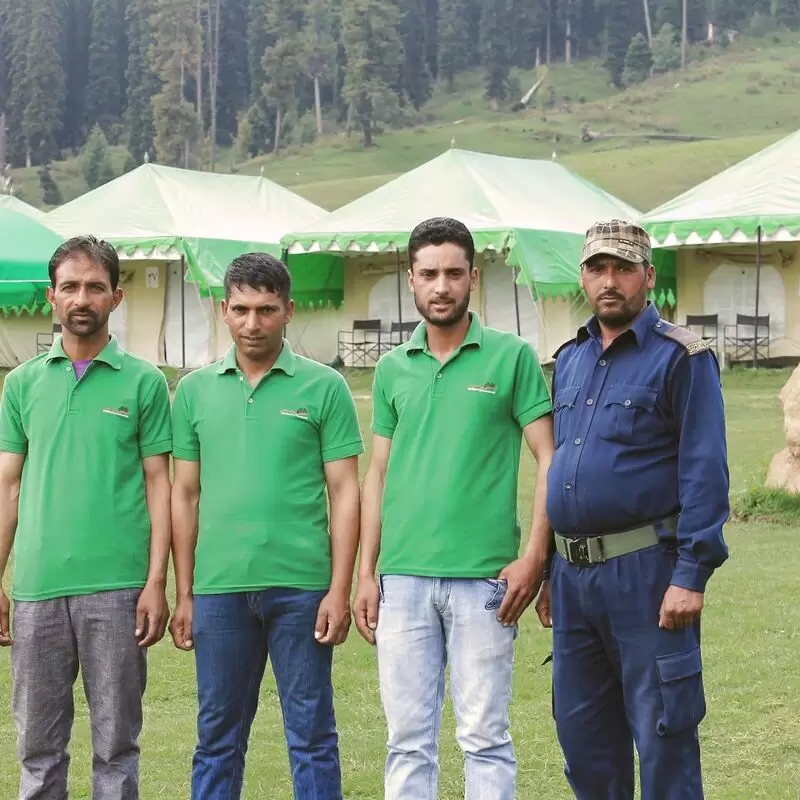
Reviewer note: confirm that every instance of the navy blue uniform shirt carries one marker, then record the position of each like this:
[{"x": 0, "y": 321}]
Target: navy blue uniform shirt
[{"x": 640, "y": 436}]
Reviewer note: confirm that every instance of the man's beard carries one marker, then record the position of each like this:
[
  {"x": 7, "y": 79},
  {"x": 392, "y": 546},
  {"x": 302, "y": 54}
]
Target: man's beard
[
  {"x": 454, "y": 315},
  {"x": 86, "y": 326},
  {"x": 624, "y": 314}
]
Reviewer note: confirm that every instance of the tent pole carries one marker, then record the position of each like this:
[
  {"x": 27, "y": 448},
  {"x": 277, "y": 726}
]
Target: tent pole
[
  {"x": 183, "y": 314},
  {"x": 516, "y": 299},
  {"x": 399, "y": 292},
  {"x": 758, "y": 288}
]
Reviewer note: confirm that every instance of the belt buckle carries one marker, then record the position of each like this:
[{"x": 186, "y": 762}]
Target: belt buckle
[{"x": 585, "y": 552}]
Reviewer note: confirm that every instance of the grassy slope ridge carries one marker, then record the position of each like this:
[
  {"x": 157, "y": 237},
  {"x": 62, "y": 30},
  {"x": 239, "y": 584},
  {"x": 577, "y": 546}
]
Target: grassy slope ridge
[{"x": 744, "y": 96}]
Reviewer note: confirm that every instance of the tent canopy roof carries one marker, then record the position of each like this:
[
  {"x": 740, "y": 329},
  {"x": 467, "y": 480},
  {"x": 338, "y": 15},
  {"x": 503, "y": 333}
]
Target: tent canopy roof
[
  {"x": 157, "y": 202},
  {"x": 210, "y": 218},
  {"x": 763, "y": 189},
  {"x": 8, "y": 201},
  {"x": 537, "y": 212},
  {"x": 486, "y": 192}
]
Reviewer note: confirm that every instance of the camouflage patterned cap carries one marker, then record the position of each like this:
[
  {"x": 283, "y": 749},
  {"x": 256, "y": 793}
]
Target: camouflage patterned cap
[{"x": 618, "y": 238}]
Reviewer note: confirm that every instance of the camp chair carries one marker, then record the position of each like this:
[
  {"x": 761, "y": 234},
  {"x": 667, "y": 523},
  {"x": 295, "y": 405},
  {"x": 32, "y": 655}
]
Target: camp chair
[
  {"x": 361, "y": 344},
  {"x": 708, "y": 325}
]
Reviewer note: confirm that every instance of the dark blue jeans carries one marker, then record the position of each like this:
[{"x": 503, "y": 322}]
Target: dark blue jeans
[
  {"x": 619, "y": 679},
  {"x": 233, "y": 635}
]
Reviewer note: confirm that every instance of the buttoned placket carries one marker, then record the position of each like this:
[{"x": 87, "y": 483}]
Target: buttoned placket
[
  {"x": 72, "y": 384},
  {"x": 586, "y": 414}
]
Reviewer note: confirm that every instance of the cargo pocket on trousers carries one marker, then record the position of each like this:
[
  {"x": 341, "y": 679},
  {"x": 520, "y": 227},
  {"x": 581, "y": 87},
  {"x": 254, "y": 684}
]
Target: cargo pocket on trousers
[{"x": 684, "y": 701}]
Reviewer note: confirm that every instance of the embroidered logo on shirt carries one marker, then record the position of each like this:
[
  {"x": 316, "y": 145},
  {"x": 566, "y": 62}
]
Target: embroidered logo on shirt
[
  {"x": 486, "y": 388},
  {"x": 122, "y": 411},
  {"x": 300, "y": 413}
]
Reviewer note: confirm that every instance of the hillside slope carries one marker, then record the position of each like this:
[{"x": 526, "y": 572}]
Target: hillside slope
[{"x": 743, "y": 96}]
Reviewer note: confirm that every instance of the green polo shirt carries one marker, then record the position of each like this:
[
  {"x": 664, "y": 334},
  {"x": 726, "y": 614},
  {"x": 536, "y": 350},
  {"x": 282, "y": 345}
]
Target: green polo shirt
[
  {"x": 263, "y": 503},
  {"x": 83, "y": 523},
  {"x": 450, "y": 495}
]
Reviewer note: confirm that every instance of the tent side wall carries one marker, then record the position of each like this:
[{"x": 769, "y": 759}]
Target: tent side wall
[
  {"x": 721, "y": 280},
  {"x": 18, "y": 336}
]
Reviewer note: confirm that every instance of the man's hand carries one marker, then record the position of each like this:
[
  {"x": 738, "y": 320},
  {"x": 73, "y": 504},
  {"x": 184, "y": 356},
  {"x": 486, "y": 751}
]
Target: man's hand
[
  {"x": 333, "y": 618},
  {"x": 180, "y": 627},
  {"x": 543, "y": 607},
  {"x": 5, "y": 620},
  {"x": 152, "y": 614},
  {"x": 368, "y": 597},
  {"x": 679, "y": 608},
  {"x": 524, "y": 577}
]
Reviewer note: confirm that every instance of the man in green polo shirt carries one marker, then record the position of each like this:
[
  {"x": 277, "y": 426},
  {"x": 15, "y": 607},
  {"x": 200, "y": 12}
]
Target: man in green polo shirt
[
  {"x": 84, "y": 499},
  {"x": 439, "y": 506},
  {"x": 260, "y": 570}
]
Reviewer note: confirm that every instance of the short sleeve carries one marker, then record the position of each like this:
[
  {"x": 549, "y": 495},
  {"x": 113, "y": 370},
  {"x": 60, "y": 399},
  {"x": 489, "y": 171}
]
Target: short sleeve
[
  {"x": 340, "y": 435},
  {"x": 13, "y": 438},
  {"x": 531, "y": 397},
  {"x": 384, "y": 417},
  {"x": 155, "y": 427},
  {"x": 185, "y": 443}
]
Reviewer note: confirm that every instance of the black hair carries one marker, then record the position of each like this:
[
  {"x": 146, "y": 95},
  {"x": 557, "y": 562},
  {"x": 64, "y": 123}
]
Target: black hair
[
  {"x": 96, "y": 250},
  {"x": 259, "y": 271},
  {"x": 441, "y": 230}
]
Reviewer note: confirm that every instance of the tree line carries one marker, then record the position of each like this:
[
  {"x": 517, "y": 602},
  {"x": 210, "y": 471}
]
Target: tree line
[{"x": 173, "y": 80}]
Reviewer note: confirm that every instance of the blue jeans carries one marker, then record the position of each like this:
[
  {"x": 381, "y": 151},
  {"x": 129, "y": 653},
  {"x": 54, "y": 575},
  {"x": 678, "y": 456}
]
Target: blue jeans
[
  {"x": 421, "y": 623},
  {"x": 618, "y": 679},
  {"x": 233, "y": 635}
]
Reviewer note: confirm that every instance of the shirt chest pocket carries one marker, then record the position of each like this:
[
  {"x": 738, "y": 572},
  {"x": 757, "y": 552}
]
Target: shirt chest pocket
[
  {"x": 630, "y": 415},
  {"x": 564, "y": 412}
]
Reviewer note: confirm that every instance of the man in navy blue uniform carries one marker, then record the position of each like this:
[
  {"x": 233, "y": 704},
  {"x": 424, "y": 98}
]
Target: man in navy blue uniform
[{"x": 637, "y": 497}]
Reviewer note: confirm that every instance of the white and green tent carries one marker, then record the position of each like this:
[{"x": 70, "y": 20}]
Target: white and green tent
[
  {"x": 533, "y": 213},
  {"x": 761, "y": 192},
  {"x": 177, "y": 228}
]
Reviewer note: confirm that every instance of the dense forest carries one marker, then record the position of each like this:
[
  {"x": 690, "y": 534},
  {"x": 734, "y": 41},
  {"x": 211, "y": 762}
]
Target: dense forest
[{"x": 173, "y": 80}]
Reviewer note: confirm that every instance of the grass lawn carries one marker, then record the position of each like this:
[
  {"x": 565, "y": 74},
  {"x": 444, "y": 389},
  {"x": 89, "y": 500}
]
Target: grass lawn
[{"x": 751, "y": 736}]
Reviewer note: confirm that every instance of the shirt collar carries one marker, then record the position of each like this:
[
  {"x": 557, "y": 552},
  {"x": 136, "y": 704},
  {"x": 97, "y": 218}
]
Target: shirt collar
[
  {"x": 111, "y": 354},
  {"x": 286, "y": 362},
  {"x": 474, "y": 337},
  {"x": 641, "y": 325}
]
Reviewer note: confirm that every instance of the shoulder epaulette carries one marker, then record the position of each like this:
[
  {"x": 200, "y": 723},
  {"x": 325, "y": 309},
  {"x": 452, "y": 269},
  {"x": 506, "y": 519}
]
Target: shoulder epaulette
[
  {"x": 566, "y": 344},
  {"x": 690, "y": 341}
]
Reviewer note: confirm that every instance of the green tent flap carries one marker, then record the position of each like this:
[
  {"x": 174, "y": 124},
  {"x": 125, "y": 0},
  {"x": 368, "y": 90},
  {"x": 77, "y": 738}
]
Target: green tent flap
[{"x": 26, "y": 247}]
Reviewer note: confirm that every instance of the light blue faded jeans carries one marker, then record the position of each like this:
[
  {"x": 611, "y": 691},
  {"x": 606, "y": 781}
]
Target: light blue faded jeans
[{"x": 423, "y": 623}]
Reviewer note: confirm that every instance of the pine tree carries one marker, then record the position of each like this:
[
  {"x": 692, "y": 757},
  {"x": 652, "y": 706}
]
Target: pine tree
[
  {"x": 620, "y": 27},
  {"x": 142, "y": 81},
  {"x": 374, "y": 56},
  {"x": 76, "y": 63},
  {"x": 666, "y": 49},
  {"x": 282, "y": 61},
  {"x": 51, "y": 192},
  {"x": 787, "y": 12},
  {"x": 17, "y": 23},
  {"x": 729, "y": 13},
  {"x": 473, "y": 17},
  {"x": 103, "y": 93},
  {"x": 234, "y": 79},
  {"x": 258, "y": 40},
  {"x": 530, "y": 17},
  {"x": 671, "y": 11},
  {"x": 416, "y": 78},
  {"x": 453, "y": 40},
  {"x": 46, "y": 81},
  {"x": 97, "y": 167},
  {"x": 319, "y": 50},
  {"x": 638, "y": 61},
  {"x": 174, "y": 51},
  {"x": 495, "y": 24},
  {"x": 432, "y": 37}
]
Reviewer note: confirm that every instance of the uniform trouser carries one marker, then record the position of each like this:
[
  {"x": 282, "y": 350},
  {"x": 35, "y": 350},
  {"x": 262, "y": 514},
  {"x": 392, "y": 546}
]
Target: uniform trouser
[
  {"x": 618, "y": 679},
  {"x": 52, "y": 639}
]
